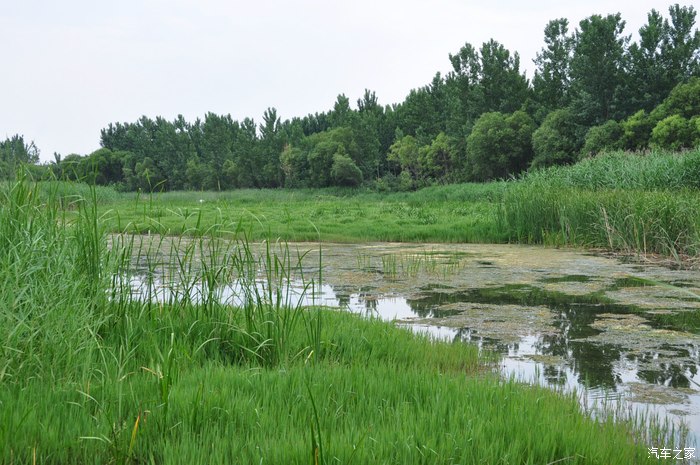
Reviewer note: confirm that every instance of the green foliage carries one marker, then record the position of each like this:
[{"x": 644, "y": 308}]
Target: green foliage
[
  {"x": 681, "y": 44},
  {"x": 647, "y": 86},
  {"x": 345, "y": 172},
  {"x": 552, "y": 79},
  {"x": 406, "y": 152},
  {"x": 147, "y": 176},
  {"x": 502, "y": 86},
  {"x": 636, "y": 131},
  {"x": 684, "y": 100},
  {"x": 597, "y": 68},
  {"x": 500, "y": 145},
  {"x": 102, "y": 167},
  {"x": 15, "y": 152},
  {"x": 322, "y": 148},
  {"x": 665, "y": 56},
  {"x": 199, "y": 175},
  {"x": 487, "y": 80},
  {"x": 440, "y": 160},
  {"x": 673, "y": 133},
  {"x": 605, "y": 137},
  {"x": 557, "y": 140},
  {"x": 272, "y": 142},
  {"x": 583, "y": 79}
]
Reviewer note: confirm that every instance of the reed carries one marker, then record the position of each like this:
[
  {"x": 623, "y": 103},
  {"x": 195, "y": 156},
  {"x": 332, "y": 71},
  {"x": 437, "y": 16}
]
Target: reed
[{"x": 661, "y": 222}]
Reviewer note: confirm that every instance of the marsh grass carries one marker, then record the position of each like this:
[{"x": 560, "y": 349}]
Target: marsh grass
[
  {"x": 624, "y": 202},
  {"x": 410, "y": 264},
  {"x": 642, "y": 222},
  {"x": 635, "y": 203},
  {"x": 96, "y": 370},
  {"x": 461, "y": 213},
  {"x": 647, "y": 171}
]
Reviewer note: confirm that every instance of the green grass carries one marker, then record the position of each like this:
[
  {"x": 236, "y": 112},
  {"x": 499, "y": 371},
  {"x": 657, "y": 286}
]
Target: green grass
[
  {"x": 461, "y": 213},
  {"x": 226, "y": 414},
  {"x": 635, "y": 203},
  {"x": 662, "y": 222},
  {"x": 625, "y": 202},
  {"x": 92, "y": 374}
]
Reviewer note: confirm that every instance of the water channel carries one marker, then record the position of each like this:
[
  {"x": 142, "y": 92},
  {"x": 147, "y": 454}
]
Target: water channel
[{"x": 567, "y": 319}]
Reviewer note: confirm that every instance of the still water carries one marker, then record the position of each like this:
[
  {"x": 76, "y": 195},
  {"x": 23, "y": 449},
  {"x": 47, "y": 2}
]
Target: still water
[{"x": 565, "y": 319}]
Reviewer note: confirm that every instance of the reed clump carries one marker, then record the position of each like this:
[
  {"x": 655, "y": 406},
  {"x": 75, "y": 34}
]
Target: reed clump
[{"x": 624, "y": 202}]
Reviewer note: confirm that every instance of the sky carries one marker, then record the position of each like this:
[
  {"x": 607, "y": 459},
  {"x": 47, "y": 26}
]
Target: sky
[{"x": 70, "y": 68}]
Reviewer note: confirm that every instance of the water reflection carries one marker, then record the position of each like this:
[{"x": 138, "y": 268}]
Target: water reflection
[
  {"x": 566, "y": 354},
  {"x": 591, "y": 364}
]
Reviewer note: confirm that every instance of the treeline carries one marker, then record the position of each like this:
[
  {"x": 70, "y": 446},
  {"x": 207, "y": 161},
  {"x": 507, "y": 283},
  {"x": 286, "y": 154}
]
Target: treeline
[
  {"x": 593, "y": 89},
  {"x": 15, "y": 152}
]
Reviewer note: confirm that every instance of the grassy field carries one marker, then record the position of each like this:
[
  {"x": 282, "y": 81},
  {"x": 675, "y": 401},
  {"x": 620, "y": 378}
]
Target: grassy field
[
  {"x": 461, "y": 213},
  {"x": 640, "y": 204},
  {"x": 635, "y": 203},
  {"x": 91, "y": 372}
]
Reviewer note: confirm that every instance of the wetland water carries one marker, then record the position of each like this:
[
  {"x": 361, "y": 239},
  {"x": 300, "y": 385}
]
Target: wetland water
[{"x": 565, "y": 319}]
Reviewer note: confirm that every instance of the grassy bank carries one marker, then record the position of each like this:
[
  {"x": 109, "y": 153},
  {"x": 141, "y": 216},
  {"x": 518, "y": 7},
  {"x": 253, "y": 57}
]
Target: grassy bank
[
  {"x": 623, "y": 202},
  {"x": 94, "y": 373},
  {"x": 458, "y": 213}
]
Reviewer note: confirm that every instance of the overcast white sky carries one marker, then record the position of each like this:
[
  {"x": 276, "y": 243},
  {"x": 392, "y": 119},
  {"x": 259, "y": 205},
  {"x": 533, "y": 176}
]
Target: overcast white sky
[{"x": 70, "y": 68}]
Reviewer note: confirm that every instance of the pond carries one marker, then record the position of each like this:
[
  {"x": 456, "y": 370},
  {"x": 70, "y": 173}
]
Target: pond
[{"x": 562, "y": 318}]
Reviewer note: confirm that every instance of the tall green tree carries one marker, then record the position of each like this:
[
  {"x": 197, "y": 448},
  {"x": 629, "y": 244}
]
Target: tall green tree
[
  {"x": 366, "y": 126},
  {"x": 558, "y": 140},
  {"x": 500, "y": 145},
  {"x": 597, "y": 69},
  {"x": 422, "y": 114},
  {"x": 244, "y": 168},
  {"x": 271, "y": 145},
  {"x": 680, "y": 49},
  {"x": 219, "y": 134},
  {"x": 464, "y": 83},
  {"x": 14, "y": 151},
  {"x": 553, "y": 74},
  {"x": 504, "y": 87},
  {"x": 341, "y": 113},
  {"x": 667, "y": 54},
  {"x": 647, "y": 76},
  {"x": 486, "y": 80}
]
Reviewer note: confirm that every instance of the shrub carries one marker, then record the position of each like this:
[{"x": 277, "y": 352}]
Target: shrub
[
  {"x": 673, "y": 133},
  {"x": 345, "y": 172},
  {"x": 603, "y": 137},
  {"x": 556, "y": 141}
]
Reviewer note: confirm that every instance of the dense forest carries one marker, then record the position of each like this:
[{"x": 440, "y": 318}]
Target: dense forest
[{"x": 594, "y": 89}]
